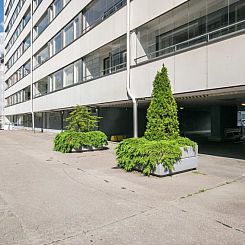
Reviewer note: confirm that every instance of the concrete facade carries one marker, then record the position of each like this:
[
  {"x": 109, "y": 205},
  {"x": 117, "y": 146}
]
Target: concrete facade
[
  {"x": 76, "y": 54},
  {"x": 1, "y": 93}
]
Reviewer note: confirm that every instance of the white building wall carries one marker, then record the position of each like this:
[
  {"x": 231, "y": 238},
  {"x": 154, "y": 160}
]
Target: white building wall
[
  {"x": 1, "y": 94},
  {"x": 212, "y": 66},
  {"x": 98, "y": 91},
  {"x": 95, "y": 38}
]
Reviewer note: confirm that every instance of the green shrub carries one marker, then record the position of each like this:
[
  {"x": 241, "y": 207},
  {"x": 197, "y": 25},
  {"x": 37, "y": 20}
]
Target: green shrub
[
  {"x": 162, "y": 119},
  {"x": 93, "y": 139},
  {"x": 162, "y": 143},
  {"x": 68, "y": 140},
  {"x": 146, "y": 154},
  {"x": 81, "y": 120},
  {"x": 183, "y": 142}
]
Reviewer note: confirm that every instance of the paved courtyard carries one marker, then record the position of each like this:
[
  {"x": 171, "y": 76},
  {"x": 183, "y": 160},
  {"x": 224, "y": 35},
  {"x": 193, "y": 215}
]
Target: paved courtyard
[{"x": 82, "y": 198}]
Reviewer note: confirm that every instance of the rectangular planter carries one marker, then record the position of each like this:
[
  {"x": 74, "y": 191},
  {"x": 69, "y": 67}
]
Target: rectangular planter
[
  {"x": 188, "y": 161},
  {"x": 86, "y": 149}
]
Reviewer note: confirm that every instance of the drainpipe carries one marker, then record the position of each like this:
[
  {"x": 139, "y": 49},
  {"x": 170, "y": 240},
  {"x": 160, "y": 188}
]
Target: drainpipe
[
  {"x": 32, "y": 111},
  {"x": 135, "y": 109}
]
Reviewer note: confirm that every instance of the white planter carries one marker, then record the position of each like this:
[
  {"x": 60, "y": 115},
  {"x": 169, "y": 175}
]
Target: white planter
[
  {"x": 188, "y": 161},
  {"x": 85, "y": 149}
]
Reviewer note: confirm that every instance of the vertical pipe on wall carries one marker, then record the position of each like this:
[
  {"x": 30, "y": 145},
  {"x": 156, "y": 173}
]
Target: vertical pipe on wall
[{"x": 135, "y": 106}]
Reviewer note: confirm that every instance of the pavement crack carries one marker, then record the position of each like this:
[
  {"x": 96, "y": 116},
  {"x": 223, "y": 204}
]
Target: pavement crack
[
  {"x": 224, "y": 224},
  {"x": 230, "y": 227},
  {"x": 79, "y": 169},
  {"x": 213, "y": 187},
  {"x": 98, "y": 189},
  {"x": 240, "y": 230},
  {"x": 122, "y": 219},
  {"x": 102, "y": 226}
]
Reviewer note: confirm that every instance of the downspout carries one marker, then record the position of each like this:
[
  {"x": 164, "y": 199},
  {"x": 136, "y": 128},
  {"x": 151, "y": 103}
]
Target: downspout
[
  {"x": 135, "y": 109},
  {"x": 32, "y": 110}
]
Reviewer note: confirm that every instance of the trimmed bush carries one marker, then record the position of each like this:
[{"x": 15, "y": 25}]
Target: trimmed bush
[
  {"x": 161, "y": 143},
  {"x": 68, "y": 140},
  {"x": 81, "y": 120},
  {"x": 145, "y": 154},
  {"x": 162, "y": 119}
]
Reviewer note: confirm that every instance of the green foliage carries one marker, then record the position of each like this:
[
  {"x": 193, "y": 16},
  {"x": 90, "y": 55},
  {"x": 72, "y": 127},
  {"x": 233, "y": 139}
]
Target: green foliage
[
  {"x": 81, "y": 120},
  {"x": 68, "y": 140},
  {"x": 162, "y": 113},
  {"x": 183, "y": 142},
  {"x": 145, "y": 154},
  {"x": 93, "y": 139},
  {"x": 162, "y": 143},
  {"x": 65, "y": 141}
]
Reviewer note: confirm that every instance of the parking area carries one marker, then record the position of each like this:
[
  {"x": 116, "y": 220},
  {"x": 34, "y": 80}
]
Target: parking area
[{"x": 48, "y": 197}]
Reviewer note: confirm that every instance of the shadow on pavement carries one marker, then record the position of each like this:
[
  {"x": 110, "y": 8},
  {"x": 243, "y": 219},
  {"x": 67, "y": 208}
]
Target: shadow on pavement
[{"x": 229, "y": 149}]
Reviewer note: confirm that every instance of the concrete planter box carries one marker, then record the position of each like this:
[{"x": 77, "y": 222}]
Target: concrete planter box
[
  {"x": 188, "y": 161},
  {"x": 86, "y": 149}
]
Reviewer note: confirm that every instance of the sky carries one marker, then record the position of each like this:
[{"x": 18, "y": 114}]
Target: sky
[{"x": 1, "y": 27}]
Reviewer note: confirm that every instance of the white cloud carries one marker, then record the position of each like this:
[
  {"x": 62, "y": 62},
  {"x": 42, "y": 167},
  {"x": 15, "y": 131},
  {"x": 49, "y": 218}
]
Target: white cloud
[{"x": 1, "y": 43}]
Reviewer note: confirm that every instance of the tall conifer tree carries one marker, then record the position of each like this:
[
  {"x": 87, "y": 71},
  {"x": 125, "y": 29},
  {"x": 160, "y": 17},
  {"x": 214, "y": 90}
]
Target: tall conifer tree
[{"x": 162, "y": 113}]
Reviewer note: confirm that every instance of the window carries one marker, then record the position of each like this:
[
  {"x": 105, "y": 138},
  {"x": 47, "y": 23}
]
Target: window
[
  {"x": 189, "y": 24},
  {"x": 78, "y": 70},
  {"x": 58, "y": 43},
  {"x": 19, "y": 74},
  {"x": 69, "y": 34},
  {"x": 78, "y": 26},
  {"x": 42, "y": 55},
  {"x": 106, "y": 65},
  {"x": 41, "y": 87},
  {"x": 99, "y": 10},
  {"x": 92, "y": 66},
  {"x": 27, "y": 68},
  {"x": 105, "y": 60},
  {"x": 217, "y": 16},
  {"x": 197, "y": 18},
  {"x": 27, "y": 93},
  {"x": 50, "y": 84},
  {"x": 237, "y": 13},
  {"x": 58, "y": 6},
  {"x": 36, "y": 3},
  {"x": 19, "y": 51},
  {"x": 180, "y": 32},
  {"x": 42, "y": 24},
  {"x": 26, "y": 17},
  {"x": 68, "y": 75},
  {"x": 119, "y": 60},
  {"x": 58, "y": 80},
  {"x": 27, "y": 42}
]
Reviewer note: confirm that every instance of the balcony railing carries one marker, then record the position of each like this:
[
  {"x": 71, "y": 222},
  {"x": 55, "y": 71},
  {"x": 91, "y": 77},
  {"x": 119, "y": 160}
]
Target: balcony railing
[
  {"x": 102, "y": 73},
  {"x": 196, "y": 41},
  {"x": 106, "y": 14}
]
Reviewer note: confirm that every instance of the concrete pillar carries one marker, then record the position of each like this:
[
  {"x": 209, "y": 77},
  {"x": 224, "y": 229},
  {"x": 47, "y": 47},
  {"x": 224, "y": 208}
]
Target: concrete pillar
[
  {"x": 222, "y": 117},
  {"x": 216, "y": 129},
  {"x": 48, "y": 124},
  {"x": 62, "y": 120}
]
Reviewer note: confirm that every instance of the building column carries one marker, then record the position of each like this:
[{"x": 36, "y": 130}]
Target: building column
[
  {"x": 216, "y": 129},
  {"x": 222, "y": 117},
  {"x": 48, "y": 124},
  {"x": 62, "y": 120}
]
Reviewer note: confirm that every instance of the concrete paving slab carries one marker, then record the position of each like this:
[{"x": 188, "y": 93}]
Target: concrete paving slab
[{"x": 48, "y": 197}]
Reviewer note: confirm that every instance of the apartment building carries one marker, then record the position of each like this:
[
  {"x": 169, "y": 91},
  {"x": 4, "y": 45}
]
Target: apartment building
[
  {"x": 1, "y": 92},
  {"x": 105, "y": 54}
]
